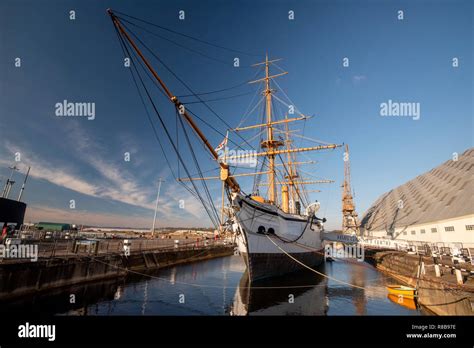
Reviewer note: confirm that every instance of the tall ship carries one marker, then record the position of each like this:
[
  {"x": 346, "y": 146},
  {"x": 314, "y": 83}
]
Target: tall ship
[
  {"x": 278, "y": 233},
  {"x": 276, "y": 227}
]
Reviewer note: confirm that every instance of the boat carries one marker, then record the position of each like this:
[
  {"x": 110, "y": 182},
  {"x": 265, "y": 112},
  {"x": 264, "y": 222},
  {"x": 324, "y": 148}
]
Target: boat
[
  {"x": 408, "y": 303},
  {"x": 12, "y": 212},
  {"x": 276, "y": 233},
  {"x": 401, "y": 291}
]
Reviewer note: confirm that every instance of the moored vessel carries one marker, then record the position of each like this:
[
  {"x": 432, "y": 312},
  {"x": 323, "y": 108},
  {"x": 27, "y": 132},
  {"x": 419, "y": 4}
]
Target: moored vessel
[{"x": 277, "y": 232}]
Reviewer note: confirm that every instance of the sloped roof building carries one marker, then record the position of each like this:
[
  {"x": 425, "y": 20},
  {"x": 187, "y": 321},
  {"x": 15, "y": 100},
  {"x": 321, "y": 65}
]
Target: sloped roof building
[{"x": 437, "y": 206}]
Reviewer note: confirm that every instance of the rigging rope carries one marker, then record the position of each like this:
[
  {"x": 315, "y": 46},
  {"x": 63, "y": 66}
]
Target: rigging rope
[
  {"x": 218, "y": 99},
  {"x": 189, "y": 36},
  {"x": 127, "y": 52},
  {"x": 179, "y": 45},
  {"x": 248, "y": 111},
  {"x": 313, "y": 270},
  {"x": 187, "y": 87},
  {"x": 197, "y": 193},
  {"x": 155, "y": 132},
  {"x": 196, "y": 163},
  {"x": 216, "y": 91}
]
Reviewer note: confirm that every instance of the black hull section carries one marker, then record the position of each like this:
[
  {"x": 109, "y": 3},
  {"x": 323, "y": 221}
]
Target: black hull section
[
  {"x": 267, "y": 265},
  {"x": 12, "y": 212}
]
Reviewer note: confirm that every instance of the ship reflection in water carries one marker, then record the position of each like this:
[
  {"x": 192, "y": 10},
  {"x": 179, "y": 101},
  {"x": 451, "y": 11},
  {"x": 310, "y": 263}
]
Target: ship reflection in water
[
  {"x": 301, "y": 293},
  {"x": 220, "y": 287}
]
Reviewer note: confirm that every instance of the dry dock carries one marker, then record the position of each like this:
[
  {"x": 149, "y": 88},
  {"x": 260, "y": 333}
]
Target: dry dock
[{"x": 66, "y": 263}]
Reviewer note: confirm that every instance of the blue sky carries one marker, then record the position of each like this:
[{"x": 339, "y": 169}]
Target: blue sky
[{"x": 81, "y": 60}]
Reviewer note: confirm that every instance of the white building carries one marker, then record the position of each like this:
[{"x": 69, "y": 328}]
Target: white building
[{"x": 435, "y": 207}]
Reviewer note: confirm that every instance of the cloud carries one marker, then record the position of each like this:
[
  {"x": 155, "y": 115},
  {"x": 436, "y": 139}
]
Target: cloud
[
  {"x": 172, "y": 193},
  {"x": 111, "y": 181}
]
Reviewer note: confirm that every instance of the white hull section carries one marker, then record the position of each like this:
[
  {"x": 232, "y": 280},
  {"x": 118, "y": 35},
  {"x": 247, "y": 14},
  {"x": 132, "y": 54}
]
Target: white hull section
[
  {"x": 265, "y": 235},
  {"x": 292, "y": 233}
]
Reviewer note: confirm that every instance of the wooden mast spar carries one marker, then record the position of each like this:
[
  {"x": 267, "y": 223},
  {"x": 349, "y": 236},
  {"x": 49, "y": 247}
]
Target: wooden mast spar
[
  {"x": 270, "y": 144},
  {"x": 230, "y": 181}
]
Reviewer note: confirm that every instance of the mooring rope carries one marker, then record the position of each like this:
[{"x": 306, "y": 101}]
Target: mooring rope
[
  {"x": 203, "y": 285},
  {"x": 313, "y": 270}
]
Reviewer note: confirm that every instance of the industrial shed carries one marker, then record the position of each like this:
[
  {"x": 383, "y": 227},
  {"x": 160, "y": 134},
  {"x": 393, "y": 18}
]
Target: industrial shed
[{"x": 53, "y": 226}]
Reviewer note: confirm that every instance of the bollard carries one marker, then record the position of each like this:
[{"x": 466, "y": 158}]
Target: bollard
[
  {"x": 127, "y": 246},
  {"x": 459, "y": 276},
  {"x": 437, "y": 270}
]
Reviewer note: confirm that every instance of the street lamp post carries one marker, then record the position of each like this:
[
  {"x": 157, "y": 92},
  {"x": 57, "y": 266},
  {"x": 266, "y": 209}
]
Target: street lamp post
[{"x": 156, "y": 206}]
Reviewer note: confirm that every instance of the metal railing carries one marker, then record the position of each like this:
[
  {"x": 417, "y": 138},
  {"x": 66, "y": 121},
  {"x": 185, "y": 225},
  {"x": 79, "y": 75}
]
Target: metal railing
[
  {"x": 68, "y": 248},
  {"x": 454, "y": 251}
]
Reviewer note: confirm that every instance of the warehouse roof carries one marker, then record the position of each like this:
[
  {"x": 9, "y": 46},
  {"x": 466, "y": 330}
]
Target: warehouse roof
[{"x": 444, "y": 192}]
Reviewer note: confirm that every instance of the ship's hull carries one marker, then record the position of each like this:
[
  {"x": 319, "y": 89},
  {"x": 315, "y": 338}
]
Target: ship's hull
[
  {"x": 267, "y": 265},
  {"x": 274, "y": 243}
]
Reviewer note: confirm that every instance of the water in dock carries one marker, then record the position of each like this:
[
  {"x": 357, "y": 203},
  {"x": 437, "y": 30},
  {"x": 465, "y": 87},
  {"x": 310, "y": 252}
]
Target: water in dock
[{"x": 219, "y": 287}]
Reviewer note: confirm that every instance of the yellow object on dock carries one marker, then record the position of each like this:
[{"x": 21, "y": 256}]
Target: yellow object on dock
[
  {"x": 400, "y": 290},
  {"x": 408, "y": 303}
]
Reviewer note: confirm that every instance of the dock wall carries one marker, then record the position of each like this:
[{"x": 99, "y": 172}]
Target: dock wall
[
  {"x": 23, "y": 278},
  {"x": 440, "y": 295}
]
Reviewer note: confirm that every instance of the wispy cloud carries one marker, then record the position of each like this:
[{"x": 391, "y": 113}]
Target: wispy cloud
[
  {"x": 128, "y": 189},
  {"x": 111, "y": 181}
]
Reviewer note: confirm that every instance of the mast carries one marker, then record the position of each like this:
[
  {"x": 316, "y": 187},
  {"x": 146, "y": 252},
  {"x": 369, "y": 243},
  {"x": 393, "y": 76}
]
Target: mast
[
  {"x": 179, "y": 106},
  {"x": 270, "y": 144},
  {"x": 292, "y": 190},
  {"x": 221, "y": 229}
]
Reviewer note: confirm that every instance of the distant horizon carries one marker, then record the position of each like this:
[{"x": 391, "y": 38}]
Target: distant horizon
[{"x": 121, "y": 227}]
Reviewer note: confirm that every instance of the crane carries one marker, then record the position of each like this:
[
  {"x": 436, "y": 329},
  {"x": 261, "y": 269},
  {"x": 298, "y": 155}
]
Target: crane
[{"x": 350, "y": 223}]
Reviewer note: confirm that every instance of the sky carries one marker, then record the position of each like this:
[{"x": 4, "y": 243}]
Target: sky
[{"x": 74, "y": 158}]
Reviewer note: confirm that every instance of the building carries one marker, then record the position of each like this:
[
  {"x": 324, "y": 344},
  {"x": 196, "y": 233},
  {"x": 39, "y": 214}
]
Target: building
[
  {"x": 435, "y": 207},
  {"x": 53, "y": 226}
]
